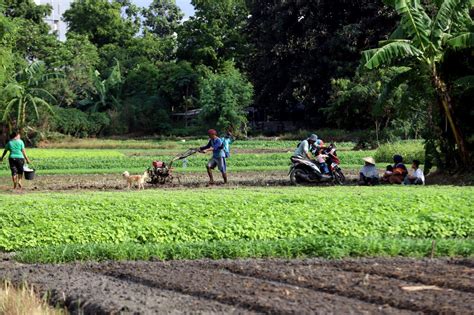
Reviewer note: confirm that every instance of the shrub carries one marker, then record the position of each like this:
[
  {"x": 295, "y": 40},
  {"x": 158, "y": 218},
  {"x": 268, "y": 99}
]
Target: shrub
[
  {"x": 410, "y": 150},
  {"x": 71, "y": 121}
]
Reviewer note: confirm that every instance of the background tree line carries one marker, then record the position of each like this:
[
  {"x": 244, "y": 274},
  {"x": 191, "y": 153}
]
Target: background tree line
[{"x": 125, "y": 69}]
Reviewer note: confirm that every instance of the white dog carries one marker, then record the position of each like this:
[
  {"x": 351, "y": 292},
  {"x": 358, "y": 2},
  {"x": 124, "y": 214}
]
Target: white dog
[{"x": 139, "y": 179}]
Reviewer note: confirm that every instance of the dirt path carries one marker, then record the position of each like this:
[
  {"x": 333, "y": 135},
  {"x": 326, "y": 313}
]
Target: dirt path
[{"x": 366, "y": 286}]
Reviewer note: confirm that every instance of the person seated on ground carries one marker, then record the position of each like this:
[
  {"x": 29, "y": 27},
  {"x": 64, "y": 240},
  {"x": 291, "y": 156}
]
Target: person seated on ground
[
  {"x": 303, "y": 149},
  {"x": 321, "y": 158},
  {"x": 399, "y": 171},
  {"x": 388, "y": 172},
  {"x": 369, "y": 175},
  {"x": 418, "y": 178}
]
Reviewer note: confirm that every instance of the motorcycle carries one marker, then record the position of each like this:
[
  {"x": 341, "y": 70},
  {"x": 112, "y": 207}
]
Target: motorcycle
[{"x": 308, "y": 171}]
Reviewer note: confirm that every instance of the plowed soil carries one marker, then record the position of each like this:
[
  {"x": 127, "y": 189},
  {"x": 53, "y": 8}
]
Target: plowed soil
[
  {"x": 313, "y": 286},
  {"x": 114, "y": 182}
]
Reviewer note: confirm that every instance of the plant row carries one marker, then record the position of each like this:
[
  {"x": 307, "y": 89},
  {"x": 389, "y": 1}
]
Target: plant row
[{"x": 180, "y": 217}]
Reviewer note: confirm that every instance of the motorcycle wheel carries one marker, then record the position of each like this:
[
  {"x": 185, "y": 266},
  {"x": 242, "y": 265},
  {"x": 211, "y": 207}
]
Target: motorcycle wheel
[
  {"x": 295, "y": 176},
  {"x": 339, "y": 177}
]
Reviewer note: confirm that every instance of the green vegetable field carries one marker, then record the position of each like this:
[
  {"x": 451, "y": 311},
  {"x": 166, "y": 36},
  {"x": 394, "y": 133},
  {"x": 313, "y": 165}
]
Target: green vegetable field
[
  {"x": 113, "y": 156},
  {"x": 288, "y": 222}
]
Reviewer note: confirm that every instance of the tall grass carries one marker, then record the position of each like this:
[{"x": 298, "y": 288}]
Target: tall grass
[{"x": 23, "y": 301}]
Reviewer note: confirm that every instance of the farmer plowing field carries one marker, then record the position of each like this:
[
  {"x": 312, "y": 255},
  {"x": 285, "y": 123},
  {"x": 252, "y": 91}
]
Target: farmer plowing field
[{"x": 215, "y": 145}]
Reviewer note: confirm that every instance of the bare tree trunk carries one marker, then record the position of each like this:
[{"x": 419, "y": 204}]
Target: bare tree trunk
[
  {"x": 4, "y": 135},
  {"x": 377, "y": 130},
  {"x": 445, "y": 102}
]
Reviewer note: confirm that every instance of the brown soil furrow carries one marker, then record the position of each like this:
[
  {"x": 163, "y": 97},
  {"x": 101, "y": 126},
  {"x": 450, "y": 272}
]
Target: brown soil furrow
[
  {"x": 225, "y": 287},
  {"x": 430, "y": 272},
  {"x": 456, "y": 274},
  {"x": 366, "y": 287},
  {"x": 90, "y": 293}
]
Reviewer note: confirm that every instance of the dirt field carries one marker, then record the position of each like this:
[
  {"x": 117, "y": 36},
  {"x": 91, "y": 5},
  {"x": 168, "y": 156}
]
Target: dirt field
[
  {"x": 111, "y": 182},
  {"x": 366, "y": 286}
]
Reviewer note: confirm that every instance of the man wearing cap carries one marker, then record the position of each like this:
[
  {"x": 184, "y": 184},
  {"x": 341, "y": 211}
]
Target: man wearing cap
[
  {"x": 303, "y": 149},
  {"x": 369, "y": 175},
  {"x": 218, "y": 156}
]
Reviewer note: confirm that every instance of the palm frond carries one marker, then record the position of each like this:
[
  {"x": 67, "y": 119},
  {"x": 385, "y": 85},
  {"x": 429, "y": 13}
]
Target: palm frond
[
  {"x": 462, "y": 41},
  {"x": 8, "y": 109},
  {"x": 32, "y": 100},
  {"x": 388, "y": 54},
  {"x": 466, "y": 82},
  {"x": 20, "y": 110},
  {"x": 450, "y": 13},
  {"x": 390, "y": 87},
  {"x": 399, "y": 33},
  {"x": 45, "y": 104},
  {"x": 415, "y": 22},
  {"x": 44, "y": 92}
]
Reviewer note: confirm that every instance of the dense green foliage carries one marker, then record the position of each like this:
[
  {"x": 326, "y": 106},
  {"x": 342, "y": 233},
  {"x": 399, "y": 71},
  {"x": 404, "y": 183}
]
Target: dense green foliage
[
  {"x": 185, "y": 217},
  {"x": 301, "y": 45},
  {"x": 420, "y": 44},
  {"x": 275, "y": 65},
  {"x": 224, "y": 97},
  {"x": 410, "y": 150}
]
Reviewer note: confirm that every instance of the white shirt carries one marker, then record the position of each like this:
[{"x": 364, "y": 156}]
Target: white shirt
[
  {"x": 370, "y": 171},
  {"x": 302, "y": 149},
  {"x": 419, "y": 174}
]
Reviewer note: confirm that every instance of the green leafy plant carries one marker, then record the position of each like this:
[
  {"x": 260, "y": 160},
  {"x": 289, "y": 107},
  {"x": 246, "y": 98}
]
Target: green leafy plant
[
  {"x": 420, "y": 43},
  {"x": 173, "y": 219},
  {"x": 25, "y": 95}
]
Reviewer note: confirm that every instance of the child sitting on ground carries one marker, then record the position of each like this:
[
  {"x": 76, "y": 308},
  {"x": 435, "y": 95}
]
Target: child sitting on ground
[
  {"x": 388, "y": 172},
  {"x": 418, "y": 178}
]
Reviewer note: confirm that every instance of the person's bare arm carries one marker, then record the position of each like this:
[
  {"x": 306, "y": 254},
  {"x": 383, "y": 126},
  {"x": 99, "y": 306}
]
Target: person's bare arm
[{"x": 26, "y": 157}]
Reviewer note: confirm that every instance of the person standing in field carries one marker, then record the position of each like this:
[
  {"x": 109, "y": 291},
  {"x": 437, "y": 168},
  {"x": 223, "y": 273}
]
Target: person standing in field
[
  {"x": 16, "y": 159},
  {"x": 215, "y": 145}
]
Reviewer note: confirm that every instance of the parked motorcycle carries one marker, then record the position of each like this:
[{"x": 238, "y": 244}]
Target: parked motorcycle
[{"x": 307, "y": 171}]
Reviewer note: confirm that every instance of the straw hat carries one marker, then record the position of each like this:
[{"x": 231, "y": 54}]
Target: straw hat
[{"x": 369, "y": 160}]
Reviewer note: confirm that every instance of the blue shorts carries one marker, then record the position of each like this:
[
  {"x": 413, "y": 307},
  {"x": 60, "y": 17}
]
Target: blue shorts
[{"x": 219, "y": 162}]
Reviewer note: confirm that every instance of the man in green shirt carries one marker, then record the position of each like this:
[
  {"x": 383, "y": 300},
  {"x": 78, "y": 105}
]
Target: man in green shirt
[{"x": 16, "y": 159}]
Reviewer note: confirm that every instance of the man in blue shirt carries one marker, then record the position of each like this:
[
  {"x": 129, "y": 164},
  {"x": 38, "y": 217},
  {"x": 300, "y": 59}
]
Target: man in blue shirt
[{"x": 215, "y": 145}]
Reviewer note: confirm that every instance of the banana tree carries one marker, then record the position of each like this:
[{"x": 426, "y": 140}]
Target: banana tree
[
  {"x": 24, "y": 95},
  {"x": 104, "y": 98},
  {"x": 420, "y": 43}
]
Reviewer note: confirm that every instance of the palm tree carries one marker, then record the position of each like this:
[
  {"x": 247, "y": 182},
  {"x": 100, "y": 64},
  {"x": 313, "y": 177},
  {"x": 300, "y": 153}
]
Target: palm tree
[
  {"x": 24, "y": 94},
  {"x": 420, "y": 44}
]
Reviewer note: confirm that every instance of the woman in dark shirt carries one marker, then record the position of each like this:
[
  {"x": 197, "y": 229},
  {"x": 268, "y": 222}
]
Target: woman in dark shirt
[{"x": 400, "y": 171}]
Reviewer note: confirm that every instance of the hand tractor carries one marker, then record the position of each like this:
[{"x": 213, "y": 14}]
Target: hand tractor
[{"x": 162, "y": 173}]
